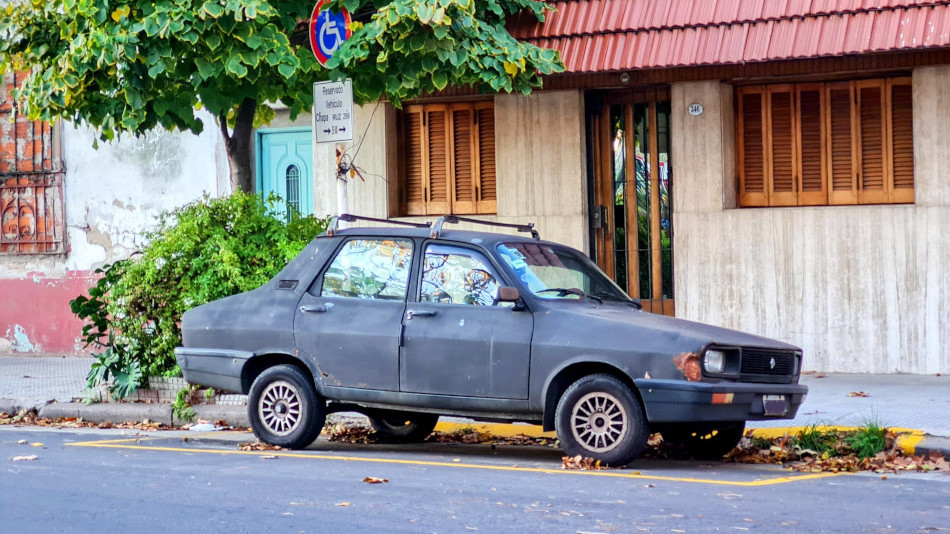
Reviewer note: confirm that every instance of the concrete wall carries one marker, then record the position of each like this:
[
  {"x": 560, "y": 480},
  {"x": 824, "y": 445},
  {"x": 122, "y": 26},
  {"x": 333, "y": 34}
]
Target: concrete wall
[
  {"x": 112, "y": 196},
  {"x": 860, "y": 288},
  {"x": 541, "y": 162}
]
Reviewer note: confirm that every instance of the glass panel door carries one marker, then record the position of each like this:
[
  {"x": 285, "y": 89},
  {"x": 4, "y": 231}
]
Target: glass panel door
[{"x": 632, "y": 195}]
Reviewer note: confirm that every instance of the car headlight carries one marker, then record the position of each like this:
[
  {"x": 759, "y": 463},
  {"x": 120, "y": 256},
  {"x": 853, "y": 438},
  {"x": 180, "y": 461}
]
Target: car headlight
[{"x": 714, "y": 361}]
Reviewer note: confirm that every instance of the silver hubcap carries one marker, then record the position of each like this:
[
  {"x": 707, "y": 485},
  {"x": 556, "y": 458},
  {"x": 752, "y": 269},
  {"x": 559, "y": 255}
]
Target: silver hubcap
[
  {"x": 598, "y": 422},
  {"x": 279, "y": 408}
]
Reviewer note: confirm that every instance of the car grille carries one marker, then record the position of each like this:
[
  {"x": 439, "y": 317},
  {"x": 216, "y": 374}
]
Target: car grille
[{"x": 769, "y": 365}]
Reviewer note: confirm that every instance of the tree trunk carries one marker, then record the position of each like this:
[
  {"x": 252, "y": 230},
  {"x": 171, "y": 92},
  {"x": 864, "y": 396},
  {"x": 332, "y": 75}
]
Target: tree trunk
[{"x": 238, "y": 145}]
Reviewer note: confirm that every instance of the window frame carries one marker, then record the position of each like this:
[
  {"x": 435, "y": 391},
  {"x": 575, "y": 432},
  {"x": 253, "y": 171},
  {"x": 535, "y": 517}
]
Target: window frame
[
  {"x": 432, "y": 159},
  {"x": 872, "y": 144},
  {"x": 319, "y": 285},
  {"x": 475, "y": 253}
]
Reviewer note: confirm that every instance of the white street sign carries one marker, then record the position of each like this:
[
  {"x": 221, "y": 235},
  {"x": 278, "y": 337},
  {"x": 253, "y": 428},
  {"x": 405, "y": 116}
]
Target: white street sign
[{"x": 333, "y": 111}]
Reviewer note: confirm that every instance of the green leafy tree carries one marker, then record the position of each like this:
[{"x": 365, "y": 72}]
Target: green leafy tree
[
  {"x": 409, "y": 48},
  {"x": 133, "y": 65}
]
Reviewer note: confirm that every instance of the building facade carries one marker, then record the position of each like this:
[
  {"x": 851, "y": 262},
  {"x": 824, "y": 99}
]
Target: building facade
[
  {"x": 775, "y": 167},
  {"x": 68, "y": 208}
]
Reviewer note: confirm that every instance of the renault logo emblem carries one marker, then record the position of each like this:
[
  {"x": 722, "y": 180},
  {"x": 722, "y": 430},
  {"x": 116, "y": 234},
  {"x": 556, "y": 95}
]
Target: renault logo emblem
[{"x": 772, "y": 363}]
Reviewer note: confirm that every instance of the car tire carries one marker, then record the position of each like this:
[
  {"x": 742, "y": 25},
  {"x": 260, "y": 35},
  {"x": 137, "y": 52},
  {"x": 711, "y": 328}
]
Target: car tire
[
  {"x": 403, "y": 427},
  {"x": 284, "y": 408},
  {"x": 706, "y": 441},
  {"x": 599, "y": 417}
]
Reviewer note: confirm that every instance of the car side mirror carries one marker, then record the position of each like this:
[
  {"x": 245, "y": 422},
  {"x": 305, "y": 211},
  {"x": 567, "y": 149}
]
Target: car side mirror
[{"x": 508, "y": 294}]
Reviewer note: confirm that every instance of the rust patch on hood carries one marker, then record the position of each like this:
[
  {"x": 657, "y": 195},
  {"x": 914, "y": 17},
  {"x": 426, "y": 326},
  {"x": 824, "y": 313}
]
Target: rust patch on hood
[{"x": 688, "y": 363}]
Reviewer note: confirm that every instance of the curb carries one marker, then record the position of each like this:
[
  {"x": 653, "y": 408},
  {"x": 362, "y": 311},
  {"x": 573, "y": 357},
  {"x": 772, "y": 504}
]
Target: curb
[
  {"x": 913, "y": 442},
  {"x": 117, "y": 412}
]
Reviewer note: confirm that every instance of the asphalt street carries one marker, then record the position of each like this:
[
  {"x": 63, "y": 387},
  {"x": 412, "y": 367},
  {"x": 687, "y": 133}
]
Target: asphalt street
[{"x": 122, "y": 481}]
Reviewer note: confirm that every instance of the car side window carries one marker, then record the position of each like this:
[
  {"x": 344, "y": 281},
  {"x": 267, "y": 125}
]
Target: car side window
[
  {"x": 455, "y": 275},
  {"x": 369, "y": 269}
]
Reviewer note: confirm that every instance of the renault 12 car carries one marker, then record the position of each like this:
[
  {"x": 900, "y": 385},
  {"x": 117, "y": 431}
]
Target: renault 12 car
[{"x": 408, "y": 323}]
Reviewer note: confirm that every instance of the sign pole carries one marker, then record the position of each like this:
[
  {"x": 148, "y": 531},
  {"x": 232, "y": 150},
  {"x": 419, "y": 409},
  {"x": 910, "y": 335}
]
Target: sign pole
[
  {"x": 332, "y": 101},
  {"x": 341, "y": 200}
]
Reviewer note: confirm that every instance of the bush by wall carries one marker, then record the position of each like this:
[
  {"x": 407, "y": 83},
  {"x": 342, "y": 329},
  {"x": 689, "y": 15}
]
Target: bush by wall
[{"x": 203, "y": 251}]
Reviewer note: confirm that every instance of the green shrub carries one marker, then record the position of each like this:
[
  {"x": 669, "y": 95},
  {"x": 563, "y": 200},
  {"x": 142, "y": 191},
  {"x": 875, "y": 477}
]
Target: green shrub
[{"x": 201, "y": 252}]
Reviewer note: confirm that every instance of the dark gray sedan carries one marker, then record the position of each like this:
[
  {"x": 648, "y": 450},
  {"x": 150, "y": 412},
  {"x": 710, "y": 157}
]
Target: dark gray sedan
[{"x": 407, "y": 324}]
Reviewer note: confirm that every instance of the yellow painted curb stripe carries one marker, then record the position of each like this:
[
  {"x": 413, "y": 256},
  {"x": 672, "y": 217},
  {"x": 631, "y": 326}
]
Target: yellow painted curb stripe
[
  {"x": 497, "y": 429},
  {"x": 907, "y": 438},
  {"x": 124, "y": 444}
]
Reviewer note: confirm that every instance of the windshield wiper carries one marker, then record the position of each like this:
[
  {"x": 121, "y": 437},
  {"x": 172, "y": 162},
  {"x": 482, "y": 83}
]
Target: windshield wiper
[
  {"x": 563, "y": 292},
  {"x": 603, "y": 295}
]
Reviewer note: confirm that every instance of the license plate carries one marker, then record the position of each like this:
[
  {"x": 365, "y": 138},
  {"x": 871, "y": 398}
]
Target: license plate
[{"x": 774, "y": 404}]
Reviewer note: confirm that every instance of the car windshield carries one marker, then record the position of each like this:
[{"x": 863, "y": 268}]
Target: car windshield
[{"x": 555, "y": 272}]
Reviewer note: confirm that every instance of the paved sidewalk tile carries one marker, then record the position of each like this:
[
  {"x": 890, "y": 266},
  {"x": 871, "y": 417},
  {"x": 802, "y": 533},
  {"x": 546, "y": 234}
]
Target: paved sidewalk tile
[{"x": 34, "y": 381}]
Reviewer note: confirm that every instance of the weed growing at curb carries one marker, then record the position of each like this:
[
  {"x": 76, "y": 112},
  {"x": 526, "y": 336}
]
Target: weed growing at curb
[
  {"x": 181, "y": 408},
  {"x": 867, "y": 441}
]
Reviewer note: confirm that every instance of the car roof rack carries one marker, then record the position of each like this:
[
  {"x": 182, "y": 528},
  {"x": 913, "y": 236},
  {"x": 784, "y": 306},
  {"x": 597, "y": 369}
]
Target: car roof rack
[
  {"x": 346, "y": 217},
  {"x": 455, "y": 219}
]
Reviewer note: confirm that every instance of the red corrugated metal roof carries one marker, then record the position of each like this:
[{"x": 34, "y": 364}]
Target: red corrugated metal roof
[{"x": 611, "y": 35}]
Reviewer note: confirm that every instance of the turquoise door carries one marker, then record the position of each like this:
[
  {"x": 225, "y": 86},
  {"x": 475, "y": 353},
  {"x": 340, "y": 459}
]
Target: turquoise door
[{"x": 285, "y": 166}]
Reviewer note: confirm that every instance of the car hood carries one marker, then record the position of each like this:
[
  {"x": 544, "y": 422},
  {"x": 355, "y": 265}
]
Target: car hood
[{"x": 610, "y": 320}]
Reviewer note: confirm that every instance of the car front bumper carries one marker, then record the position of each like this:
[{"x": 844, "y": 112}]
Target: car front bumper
[{"x": 672, "y": 401}]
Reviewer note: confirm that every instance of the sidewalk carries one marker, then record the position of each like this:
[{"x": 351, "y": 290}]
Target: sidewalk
[{"x": 920, "y": 402}]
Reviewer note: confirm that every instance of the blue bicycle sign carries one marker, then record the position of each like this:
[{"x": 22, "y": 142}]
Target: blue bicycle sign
[{"x": 328, "y": 30}]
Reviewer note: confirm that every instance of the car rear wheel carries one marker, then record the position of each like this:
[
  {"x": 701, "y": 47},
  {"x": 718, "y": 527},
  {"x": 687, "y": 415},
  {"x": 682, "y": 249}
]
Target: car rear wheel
[
  {"x": 708, "y": 441},
  {"x": 284, "y": 408},
  {"x": 599, "y": 417},
  {"x": 403, "y": 427}
]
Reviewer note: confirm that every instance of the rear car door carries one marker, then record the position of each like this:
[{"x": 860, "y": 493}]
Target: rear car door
[
  {"x": 350, "y": 320},
  {"x": 457, "y": 339}
]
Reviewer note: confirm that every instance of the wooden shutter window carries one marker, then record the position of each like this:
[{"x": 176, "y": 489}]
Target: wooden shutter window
[
  {"x": 841, "y": 154},
  {"x": 413, "y": 183},
  {"x": 438, "y": 160},
  {"x": 751, "y": 150},
  {"x": 486, "y": 191},
  {"x": 781, "y": 147},
  {"x": 902, "y": 139},
  {"x": 871, "y": 129},
  {"x": 826, "y": 143},
  {"x": 464, "y": 176},
  {"x": 811, "y": 139},
  {"x": 449, "y": 159}
]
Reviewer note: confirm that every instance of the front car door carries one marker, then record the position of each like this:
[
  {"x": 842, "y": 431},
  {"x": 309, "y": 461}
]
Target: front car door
[
  {"x": 457, "y": 339},
  {"x": 350, "y": 320}
]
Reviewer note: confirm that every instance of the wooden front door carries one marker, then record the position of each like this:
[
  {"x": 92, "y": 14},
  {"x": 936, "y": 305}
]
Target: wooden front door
[{"x": 631, "y": 204}]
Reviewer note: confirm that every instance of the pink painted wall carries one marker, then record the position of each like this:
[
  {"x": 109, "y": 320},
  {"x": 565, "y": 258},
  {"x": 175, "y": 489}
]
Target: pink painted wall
[{"x": 35, "y": 317}]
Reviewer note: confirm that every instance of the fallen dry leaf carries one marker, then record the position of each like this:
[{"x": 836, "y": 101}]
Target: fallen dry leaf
[
  {"x": 858, "y": 394},
  {"x": 374, "y": 480},
  {"x": 24, "y": 458},
  {"x": 259, "y": 446},
  {"x": 579, "y": 462}
]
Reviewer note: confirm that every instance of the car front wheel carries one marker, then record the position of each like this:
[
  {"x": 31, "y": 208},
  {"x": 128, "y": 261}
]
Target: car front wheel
[
  {"x": 403, "y": 427},
  {"x": 599, "y": 417},
  {"x": 284, "y": 408}
]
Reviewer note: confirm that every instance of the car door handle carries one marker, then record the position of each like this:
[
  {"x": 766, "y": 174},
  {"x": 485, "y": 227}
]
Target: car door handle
[
  {"x": 419, "y": 313},
  {"x": 313, "y": 309}
]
